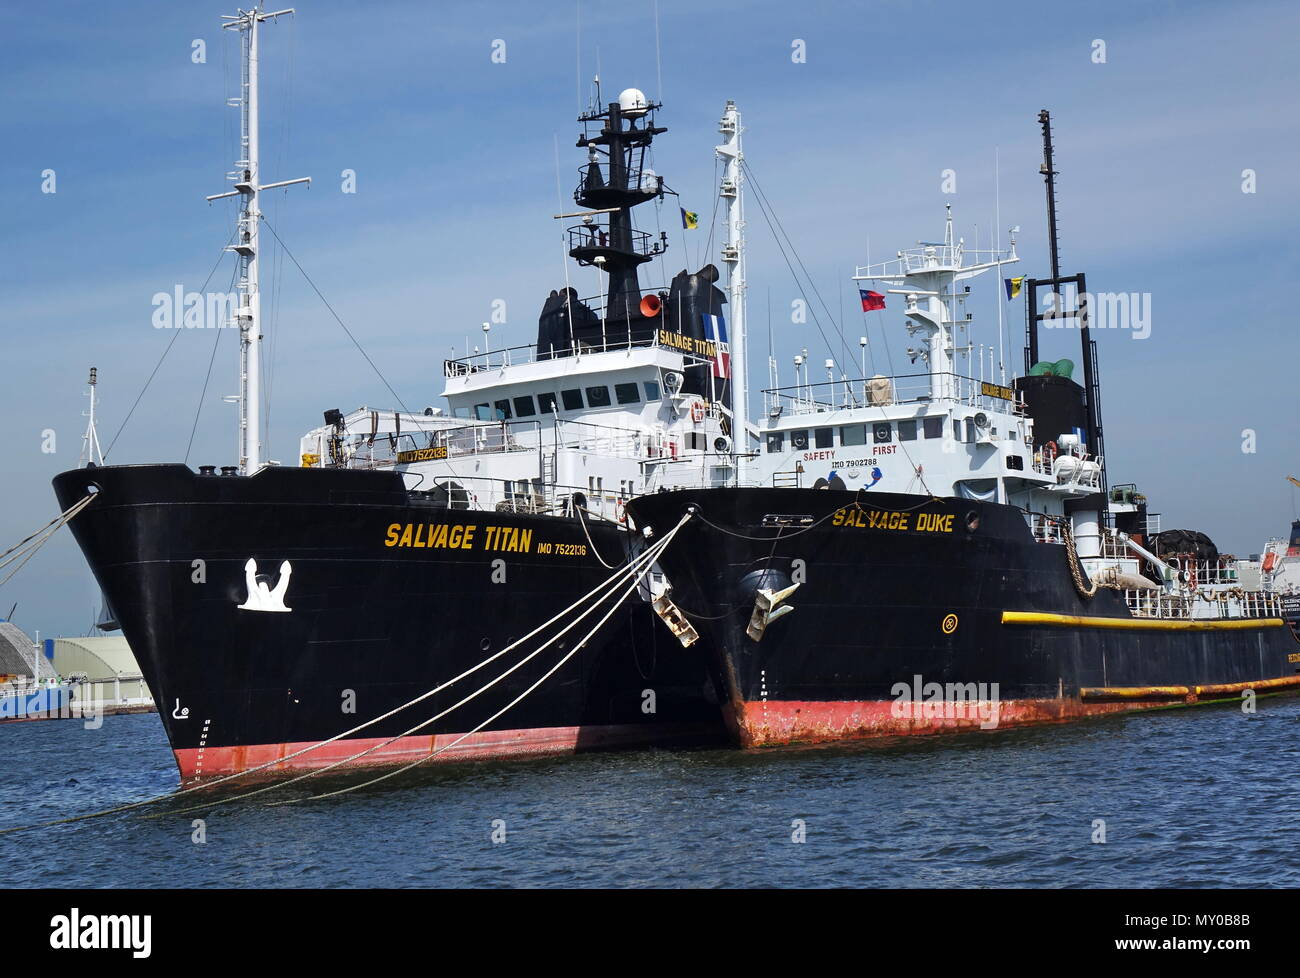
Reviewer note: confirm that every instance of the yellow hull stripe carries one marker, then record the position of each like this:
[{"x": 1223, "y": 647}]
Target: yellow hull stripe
[
  {"x": 1176, "y": 692},
  {"x": 1137, "y": 624}
]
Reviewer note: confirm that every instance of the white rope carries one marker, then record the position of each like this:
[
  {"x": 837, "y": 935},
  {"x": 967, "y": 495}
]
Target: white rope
[
  {"x": 594, "y": 604},
  {"x": 656, "y": 550},
  {"x": 28, "y": 548},
  {"x": 578, "y": 510},
  {"x": 608, "y": 584}
]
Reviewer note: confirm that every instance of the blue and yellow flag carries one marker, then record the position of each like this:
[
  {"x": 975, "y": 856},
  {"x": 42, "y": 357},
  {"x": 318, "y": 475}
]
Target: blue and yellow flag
[
  {"x": 690, "y": 220},
  {"x": 1013, "y": 286}
]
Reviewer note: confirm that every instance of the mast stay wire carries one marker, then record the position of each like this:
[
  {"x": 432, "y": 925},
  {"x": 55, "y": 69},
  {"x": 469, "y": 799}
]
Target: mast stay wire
[
  {"x": 198, "y": 411},
  {"x": 343, "y": 325},
  {"x": 170, "y": 343},
  {"x": 773, "y": 223}
]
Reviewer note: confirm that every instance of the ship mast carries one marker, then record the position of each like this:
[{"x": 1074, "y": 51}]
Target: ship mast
[
  {"x": 247, "y": 178},
  {"x": 91, "y": 454},
  {"x": 733, "y": 255}
]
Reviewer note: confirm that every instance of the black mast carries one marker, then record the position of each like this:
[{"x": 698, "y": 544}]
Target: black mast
[
  {"x": 617, "y": 183},
  {"x": 1091, "y": 382}
]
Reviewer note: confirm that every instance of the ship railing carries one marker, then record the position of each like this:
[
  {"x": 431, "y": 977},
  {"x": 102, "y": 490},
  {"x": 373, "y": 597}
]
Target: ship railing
[
  {"x": 494, "y": 438},
  {"x": 619, "y": 340},
  {"x": 1045, "y": 529},
  {"x": 882, "y": 391},
  {"x": 607, "y": 440},
  {"x": 1043, "y": 459},
  {"x": 929, "y": 256},
  {"x": 1235, "y": 603},
  {"x": 645, "y": 182},
  {"x": 588, "y": 241},
  {"x": 1221, "y": 572},
  {"x": 1154, "y": 603},
  {"x": 532, "y": 496},
  {"x": 1112, "y": 547}
]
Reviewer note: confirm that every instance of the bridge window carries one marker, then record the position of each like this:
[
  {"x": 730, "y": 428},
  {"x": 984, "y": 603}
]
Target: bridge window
[
  {"x": 907, "y": 430},
  {"x": 933, "y": 427},
  {"x": 853, "y": 434},
  {"x": 799, "y": 440},
  {"x": 824, "y": 437},
  {"x": 524, "y": 406},
  {"x": 598, "y": 396},
  {"x": 572, "y": 399},
  {"x": 627, "y": 393},
  {"x": 651, "y": 390},
  {"x": 483, "y": 412},
  {"x": 882, "y": 433},
  {"x": 503, "y": 410},
  {"x": 776, "y": 441},
  {"x": 545, "y": 403}
]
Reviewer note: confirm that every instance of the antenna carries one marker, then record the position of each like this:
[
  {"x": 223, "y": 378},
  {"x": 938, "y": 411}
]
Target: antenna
[
  {"x": 91, "y": 454},
  {"x": 247, "y": 178},
  {"x": 1048, "y": 170}
]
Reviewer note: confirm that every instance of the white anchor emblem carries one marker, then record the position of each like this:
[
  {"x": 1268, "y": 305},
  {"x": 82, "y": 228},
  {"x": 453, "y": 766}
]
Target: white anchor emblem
[{"x": 260, "y": 596}]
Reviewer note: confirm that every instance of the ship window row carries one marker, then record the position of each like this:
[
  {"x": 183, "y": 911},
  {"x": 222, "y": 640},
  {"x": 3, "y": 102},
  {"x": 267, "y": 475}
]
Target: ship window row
[
  {"x": 573, "y": 399},
  {"x": 876, "y": 433}
]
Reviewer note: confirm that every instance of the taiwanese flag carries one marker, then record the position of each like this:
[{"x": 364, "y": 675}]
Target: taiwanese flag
[{"x": 871, "y": 300}]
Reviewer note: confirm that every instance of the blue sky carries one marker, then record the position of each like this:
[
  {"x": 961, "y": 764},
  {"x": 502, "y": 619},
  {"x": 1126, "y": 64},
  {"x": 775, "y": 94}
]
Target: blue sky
[{"x": 455, "y": 161}]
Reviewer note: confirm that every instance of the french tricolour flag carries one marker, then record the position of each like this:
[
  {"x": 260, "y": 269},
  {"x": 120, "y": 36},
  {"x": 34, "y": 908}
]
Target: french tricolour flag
[{"x": 715, "y": 330}]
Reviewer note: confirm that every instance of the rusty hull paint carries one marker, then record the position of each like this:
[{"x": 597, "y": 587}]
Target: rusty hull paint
[
  {"x": 198, "y": 763},
  {"x": 778, "y": 723}
]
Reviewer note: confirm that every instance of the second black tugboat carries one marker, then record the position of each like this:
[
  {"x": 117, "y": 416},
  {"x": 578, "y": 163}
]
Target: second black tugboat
[{"x": 959, "y": 561}]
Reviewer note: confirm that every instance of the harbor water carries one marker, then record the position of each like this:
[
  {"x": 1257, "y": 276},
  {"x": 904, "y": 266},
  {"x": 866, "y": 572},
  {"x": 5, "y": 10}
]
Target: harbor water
[{"x": 1182, "y": 798}]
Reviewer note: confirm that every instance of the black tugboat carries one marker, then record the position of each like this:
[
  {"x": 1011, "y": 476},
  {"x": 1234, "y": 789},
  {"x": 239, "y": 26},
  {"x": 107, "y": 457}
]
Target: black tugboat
[
  {"x": 960, "y": 561},
  {"x": 273, "y": 609}
]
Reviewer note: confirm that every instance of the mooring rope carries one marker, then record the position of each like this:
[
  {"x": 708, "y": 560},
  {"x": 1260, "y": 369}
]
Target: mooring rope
[
  {"x": 592, "y": 543},
  {"x": 609, "y": 584},
  {"x": 40, "y": 538},
  {"x": 628, "y": 570},
  {"x": 636, "y": 583}
]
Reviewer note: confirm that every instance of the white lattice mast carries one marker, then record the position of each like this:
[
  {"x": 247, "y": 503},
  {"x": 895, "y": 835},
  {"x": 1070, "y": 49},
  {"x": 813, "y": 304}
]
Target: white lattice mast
[
  {"x": 733, "y": 255},
  {"x": 248, "y": 185},
  {"x": 91, "y": 454}
]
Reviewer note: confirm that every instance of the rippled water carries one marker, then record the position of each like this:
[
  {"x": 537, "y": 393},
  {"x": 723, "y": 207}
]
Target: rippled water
[{"x": 1190, "y": 798}]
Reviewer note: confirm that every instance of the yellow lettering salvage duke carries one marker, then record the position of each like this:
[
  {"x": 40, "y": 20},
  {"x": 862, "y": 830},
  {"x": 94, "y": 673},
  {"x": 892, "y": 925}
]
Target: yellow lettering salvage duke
[{"x": 877, "y": 519}]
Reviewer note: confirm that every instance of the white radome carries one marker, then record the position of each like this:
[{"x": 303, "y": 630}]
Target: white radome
[{"x": 632, "y": 102}]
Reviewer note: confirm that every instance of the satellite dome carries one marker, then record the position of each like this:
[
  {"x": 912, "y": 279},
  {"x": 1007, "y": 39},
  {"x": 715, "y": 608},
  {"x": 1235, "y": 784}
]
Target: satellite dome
[{"x": 633, "y": 103}]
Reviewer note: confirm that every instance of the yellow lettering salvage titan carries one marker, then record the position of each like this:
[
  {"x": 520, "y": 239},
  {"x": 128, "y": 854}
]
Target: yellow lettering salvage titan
[
  {"x": 443, "y": 536},
  {"x": 878, "y": 519}
]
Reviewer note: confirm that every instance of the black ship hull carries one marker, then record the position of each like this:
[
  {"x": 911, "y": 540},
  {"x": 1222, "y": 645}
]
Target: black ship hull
[
  {"x": 917, "y": 615},
  {"x": 389, "y": 596}
]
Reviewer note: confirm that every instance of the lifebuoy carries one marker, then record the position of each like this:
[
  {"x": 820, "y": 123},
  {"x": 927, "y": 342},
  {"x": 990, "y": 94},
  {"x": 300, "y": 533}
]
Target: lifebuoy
[
  {"x": 619, "y": 513},
  {"x": 697, "y": 411}
]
